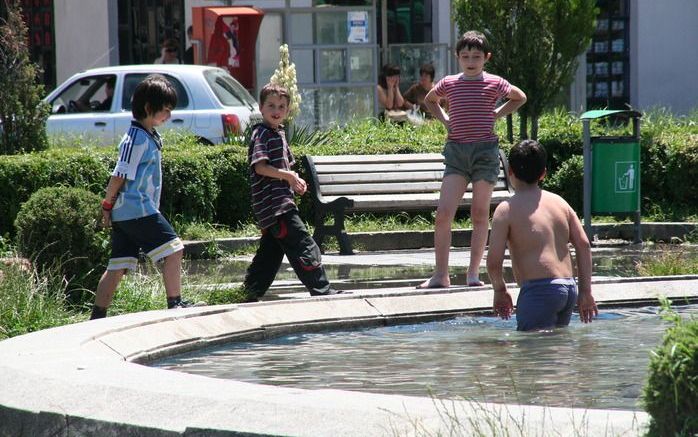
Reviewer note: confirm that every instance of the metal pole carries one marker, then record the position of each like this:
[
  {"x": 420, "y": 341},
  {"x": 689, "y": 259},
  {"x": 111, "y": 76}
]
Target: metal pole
[
  {"x": 587, "y": 178},
  {"x": 638, "y": 218},
  {"x": 384, "y": 32}
]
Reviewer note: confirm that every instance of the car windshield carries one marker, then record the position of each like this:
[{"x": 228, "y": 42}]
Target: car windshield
[{"x": 227, "y": 89}]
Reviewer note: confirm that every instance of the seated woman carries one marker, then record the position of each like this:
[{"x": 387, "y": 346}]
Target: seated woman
[{"x": 388, "y": 89}]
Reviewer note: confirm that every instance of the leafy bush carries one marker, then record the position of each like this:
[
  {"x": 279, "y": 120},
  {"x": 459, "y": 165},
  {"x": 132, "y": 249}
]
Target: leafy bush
[
  {"x": 22, "y": 175},
  {"x": 568, "y": 182},
  {"x": 671, "y": 393},
  {"x": 58, "y": 229},
  {"x": 189, "y": 185},
  {"x": 22, "y": 113}
]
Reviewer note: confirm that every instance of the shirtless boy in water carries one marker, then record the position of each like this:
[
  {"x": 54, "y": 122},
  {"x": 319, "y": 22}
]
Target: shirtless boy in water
[{"x": 537, "y": 226}]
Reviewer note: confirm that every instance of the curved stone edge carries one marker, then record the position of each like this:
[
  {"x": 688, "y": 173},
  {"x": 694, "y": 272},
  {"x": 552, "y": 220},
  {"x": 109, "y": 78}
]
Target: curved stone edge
[{"x": 84, "y": 379}]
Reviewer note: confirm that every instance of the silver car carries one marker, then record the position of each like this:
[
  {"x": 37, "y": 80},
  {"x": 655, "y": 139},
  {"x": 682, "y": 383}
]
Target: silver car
[{"x": 97, "y": 103}]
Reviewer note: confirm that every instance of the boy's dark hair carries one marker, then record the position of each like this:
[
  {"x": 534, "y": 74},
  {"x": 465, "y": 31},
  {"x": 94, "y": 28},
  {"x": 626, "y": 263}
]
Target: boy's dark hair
[
  {"x": 155, "y": 91},
  {"x": 473, "y": 39},
  {"x": 427, "y": 69},
  {"x": 273, "y": 89},
  {"x": 387, "y": 70},
  {"x": 527, "y": 160}
]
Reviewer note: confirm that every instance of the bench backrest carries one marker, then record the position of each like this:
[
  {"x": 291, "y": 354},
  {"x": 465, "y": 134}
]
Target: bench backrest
[{"x": 346, "y": 175}]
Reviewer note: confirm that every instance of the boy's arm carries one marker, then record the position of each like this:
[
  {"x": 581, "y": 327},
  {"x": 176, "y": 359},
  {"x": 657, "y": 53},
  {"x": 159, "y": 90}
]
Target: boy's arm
[
  {"x": 112, "y": 192},
  {"x": 502, "y": 302},
  {"x": 578, "y": 238},
  {"x": 263, "y": 168},
  {"x": 516, "y": 99},
  {"x": 431, "y": 101}
]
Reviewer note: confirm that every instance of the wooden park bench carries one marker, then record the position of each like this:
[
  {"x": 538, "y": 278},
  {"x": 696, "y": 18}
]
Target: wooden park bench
[{"x": 380, "y": 183}]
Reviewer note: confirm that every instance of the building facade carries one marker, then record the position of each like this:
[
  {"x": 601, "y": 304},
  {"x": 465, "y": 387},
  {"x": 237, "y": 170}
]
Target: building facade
[{"x": 643, "y": 54}]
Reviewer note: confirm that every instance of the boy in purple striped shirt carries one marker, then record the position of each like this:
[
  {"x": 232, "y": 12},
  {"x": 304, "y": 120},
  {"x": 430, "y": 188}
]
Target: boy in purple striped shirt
[
  {"x": 471, "y": 153},
  {"x": 273, "y": 184}
]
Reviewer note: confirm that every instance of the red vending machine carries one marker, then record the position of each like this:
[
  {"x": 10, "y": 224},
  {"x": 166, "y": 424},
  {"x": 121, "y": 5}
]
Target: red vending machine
[{"x": 227, "y": 38}]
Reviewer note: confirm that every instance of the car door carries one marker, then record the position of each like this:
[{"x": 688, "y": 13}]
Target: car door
[
  {"x": 82, "y": 111},
  {"x": 182, "y": 115}
]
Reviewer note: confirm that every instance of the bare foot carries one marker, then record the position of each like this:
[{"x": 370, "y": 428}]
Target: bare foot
[
  {"x": 475, "y": 282},
  {"x": 435, "y": 282}
]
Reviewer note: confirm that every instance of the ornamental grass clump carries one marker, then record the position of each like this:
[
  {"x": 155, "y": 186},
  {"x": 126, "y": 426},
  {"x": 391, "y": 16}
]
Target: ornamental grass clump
[{"x": 671, "y": 393}]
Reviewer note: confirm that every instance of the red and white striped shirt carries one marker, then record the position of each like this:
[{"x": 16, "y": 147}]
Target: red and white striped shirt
[{"x": 471, "y": 104}]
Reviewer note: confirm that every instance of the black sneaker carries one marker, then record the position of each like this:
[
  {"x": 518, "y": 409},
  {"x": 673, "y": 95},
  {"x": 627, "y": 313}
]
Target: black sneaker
[
  {"x": 329, "y": 292},
  {"x": 179, "y": 303}
]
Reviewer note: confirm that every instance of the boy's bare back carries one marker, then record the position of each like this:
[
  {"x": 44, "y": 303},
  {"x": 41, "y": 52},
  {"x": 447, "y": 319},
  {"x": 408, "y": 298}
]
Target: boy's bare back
[{"x": 539, "y": 225}]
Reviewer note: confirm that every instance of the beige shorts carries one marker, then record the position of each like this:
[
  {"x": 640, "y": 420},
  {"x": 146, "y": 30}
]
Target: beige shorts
[{"x": 474, "y": 161}]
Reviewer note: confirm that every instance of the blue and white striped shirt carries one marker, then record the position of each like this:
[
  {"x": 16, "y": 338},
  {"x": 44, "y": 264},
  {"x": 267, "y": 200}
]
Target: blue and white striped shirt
[{"x": 140, "y": 163}]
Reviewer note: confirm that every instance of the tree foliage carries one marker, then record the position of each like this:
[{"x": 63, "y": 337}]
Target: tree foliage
[
  {"x": 534, "y": 43},
  {"x": 22, "y": 113}
]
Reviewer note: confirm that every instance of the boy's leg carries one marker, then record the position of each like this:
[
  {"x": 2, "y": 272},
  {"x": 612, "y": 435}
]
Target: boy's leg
[
  {"x": 265, "y": 265},
  {"x": 124, "y": 256},
  {"x": 480, "y": 216},
  {"x": 302, "y": 252},
  {"x": 172, "y": 274},
  {"x": 453, "y": 187},
  {"x": 105, "y": 292},
  {"x": 160, "y": 242}
]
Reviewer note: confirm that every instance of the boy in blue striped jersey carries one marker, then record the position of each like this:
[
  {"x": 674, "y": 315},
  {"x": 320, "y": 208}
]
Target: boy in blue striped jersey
[{"x": 131, "y": 205}]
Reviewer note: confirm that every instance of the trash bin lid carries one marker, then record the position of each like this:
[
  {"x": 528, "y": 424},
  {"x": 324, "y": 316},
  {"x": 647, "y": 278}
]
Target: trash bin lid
[{"x": 601, "y": 113}]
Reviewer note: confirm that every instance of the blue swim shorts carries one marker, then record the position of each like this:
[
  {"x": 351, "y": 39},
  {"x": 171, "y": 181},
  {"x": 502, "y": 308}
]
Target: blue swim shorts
[
  {"x": 153, "y": 234},
  {"x": 545, "y": 303}
]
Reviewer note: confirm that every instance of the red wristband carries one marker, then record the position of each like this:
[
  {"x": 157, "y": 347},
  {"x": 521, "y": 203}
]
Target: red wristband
[{"x": 106, "y": 205}]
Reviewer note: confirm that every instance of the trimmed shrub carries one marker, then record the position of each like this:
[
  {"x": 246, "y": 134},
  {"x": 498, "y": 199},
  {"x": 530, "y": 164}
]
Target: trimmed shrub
[
  {"x": 22, "y": 175},
  {"x": 568, "y": 182},
  {"x": 671, "y": 393},
  {"x": 58, "y": 228},
  {"x": 189, "y": 187}
]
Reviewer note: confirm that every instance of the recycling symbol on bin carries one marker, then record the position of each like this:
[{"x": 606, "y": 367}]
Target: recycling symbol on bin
[{"x": 625, "y": 177}]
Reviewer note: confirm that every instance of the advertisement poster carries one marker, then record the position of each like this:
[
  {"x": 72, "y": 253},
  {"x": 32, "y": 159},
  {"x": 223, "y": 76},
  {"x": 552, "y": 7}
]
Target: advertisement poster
[
  {"x": 357, "y": 26},
  {"x": 224, "y": 48}
]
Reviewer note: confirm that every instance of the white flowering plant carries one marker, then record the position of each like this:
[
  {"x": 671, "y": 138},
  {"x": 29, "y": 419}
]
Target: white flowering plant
[{"x": 285, "y": 76}]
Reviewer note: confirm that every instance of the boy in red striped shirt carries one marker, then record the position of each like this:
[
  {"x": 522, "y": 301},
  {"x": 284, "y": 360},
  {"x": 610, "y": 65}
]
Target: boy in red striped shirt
[{"x": 471, "y": 153}]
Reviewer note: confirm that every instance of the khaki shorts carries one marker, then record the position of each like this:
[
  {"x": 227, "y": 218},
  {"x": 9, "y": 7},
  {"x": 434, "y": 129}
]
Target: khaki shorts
[{"x": 474, "y": 161}]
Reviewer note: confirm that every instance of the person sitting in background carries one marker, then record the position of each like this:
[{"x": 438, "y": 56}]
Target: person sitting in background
[
  {"x": 168, "y": 52},
  {"x": 388, "y": 88},
  {"x": 417, "y": 92}
]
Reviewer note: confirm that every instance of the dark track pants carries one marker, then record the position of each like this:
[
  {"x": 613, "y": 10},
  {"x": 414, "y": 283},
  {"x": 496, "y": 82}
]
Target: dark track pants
[{"x": 287, "y": 236}]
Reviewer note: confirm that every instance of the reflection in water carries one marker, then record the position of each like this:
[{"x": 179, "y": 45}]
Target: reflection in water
[
  {"x": 612, "y": 262},
  {"x": 599, "y": 365}
]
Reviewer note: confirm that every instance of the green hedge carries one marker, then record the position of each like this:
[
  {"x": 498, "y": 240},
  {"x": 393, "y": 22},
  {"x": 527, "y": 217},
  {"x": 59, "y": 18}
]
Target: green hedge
[{"x": 210, "y": 183}]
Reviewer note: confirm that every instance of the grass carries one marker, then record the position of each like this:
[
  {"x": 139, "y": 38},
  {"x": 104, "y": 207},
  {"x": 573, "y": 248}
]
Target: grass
[
  {"x": 668, "y": 264},
  {"x": 30, "y": 303}
]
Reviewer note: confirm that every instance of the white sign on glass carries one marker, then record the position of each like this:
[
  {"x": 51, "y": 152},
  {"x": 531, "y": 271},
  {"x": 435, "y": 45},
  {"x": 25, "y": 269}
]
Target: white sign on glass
[{"x": 357, "y": 26}]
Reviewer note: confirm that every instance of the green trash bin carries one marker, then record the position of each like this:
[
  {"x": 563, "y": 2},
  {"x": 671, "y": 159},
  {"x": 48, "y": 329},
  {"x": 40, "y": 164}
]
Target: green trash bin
[{"x": 611, "y": 171}]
